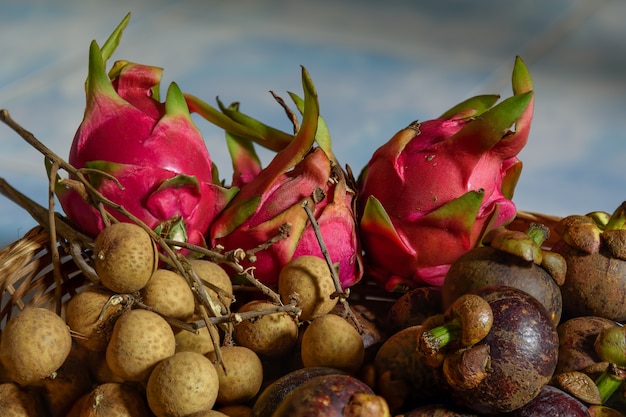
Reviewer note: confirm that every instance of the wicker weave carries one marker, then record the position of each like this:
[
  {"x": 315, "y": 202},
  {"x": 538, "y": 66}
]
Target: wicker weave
[{"x": 27, "y": 274}]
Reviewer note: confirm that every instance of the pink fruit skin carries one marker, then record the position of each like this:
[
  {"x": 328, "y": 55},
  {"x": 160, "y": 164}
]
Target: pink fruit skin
[
  {"x": 432, "y": 192},
  {"x": 152, "y": 149},
  {"x": 282, "y": 203}
]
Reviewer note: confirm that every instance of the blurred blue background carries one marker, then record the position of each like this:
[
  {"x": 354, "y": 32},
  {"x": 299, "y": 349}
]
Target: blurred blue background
[{"x": 377, "y": 66}]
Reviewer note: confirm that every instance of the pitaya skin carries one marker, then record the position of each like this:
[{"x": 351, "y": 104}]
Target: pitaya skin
[
  {"x": 273, "y": 196},
  {"x": 436, "y": 188},
  {"x": 153, "y": 149}
]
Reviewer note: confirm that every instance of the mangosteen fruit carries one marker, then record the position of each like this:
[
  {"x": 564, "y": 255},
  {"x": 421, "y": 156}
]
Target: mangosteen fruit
[
  {"x": 519, "y": 354},
  {"x": 594, "y": 249},
  {"x": 550, "y": 402},
  {"x": 577, "y": 337},
  {"x": 514, "y": 259}
]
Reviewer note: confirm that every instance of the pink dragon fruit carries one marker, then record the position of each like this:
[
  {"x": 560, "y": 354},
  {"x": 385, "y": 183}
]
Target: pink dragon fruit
[
  {"x": 435, "y": 189},
  {"x": 142, "y": 154},
  {"x": 272, "y": 197}
]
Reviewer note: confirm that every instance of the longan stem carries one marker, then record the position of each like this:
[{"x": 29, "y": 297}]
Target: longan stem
[
  {"x": 343, "y": 295},
  {"x": 229, "y": 259},
  {"x": 248, "y": 315},
  {"x": 54, "y": 251},
  {"x": 40, "y": 215}
]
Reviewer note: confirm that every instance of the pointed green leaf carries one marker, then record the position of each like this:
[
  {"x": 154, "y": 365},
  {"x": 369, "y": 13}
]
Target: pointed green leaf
[
  {"x": 376, "y": 220},
  {"x": 297, "y": 220},
  {"x": 474, "y": 106},
  {"x": 249, "y": 198},
  {"x": 226, "y": 194},
  {"x": 235, "y": 215},
  {"x": 509, "y": 182},
  {"x": 522, "y": 81},
  {"x": 175, "y": 103},
  {"x": 215, "y": 175},
  {"x": 462, "y": 211},
  {"x": 98, "y": 82},
  {"x": 322, "y": 137},
  {"x": 107, "y": 168},
  {"x": 488, "y": 129},
  {"x": 213, "y": 115},
  {"x": 179, "y": 181},
  {"x": 297, "y": 100},
  {"x": 243, "y": 155},
  {"x": 272, "y": 139},
  {"x": 110, "y": 45}
]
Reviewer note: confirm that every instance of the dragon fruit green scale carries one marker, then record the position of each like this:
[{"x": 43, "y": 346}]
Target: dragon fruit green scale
[
  {"x": 147, "y": 156},
  {"x": 273, "y": 198},
  {"x": 436, "y": 188}
]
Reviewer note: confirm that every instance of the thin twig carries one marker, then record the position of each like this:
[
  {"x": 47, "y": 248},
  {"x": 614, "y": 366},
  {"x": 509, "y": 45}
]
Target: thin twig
[
  {"x": 236, "y": 318},
  {"x": 230, "y": 259},
  {"x": 40, "y": 215},
  {"x": 218, "y": 353},
  {"x": 290, "y": 114},
  {"x": 339, "y": 291},
  {"x": 76, "y": 252},
  {"x": 54, "y": 250}
]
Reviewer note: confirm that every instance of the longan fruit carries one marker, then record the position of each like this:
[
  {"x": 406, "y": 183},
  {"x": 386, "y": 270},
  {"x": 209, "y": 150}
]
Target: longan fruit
[
  {"x": 111, "y": 399},
  {"x": 125, "y": 257},
  {"x": 34, "y": 344},
  {"x": 307, "y": 278},
  {"x": 243, "y": 378},
  {"x": 270, "y": 335},
  {"x": 213, "y": 273},
  {"x": 169, "y": 294},
  {"x": 182, "y": 384},
  {"x": 91, "y": 317},
  {"x": 17, "y": 402},
  {"x": 140, "y": 340},
  {"x": 201, "y": 342},
  {"x": 71, "y": 381},
  {"x": 331, "y": 341}
]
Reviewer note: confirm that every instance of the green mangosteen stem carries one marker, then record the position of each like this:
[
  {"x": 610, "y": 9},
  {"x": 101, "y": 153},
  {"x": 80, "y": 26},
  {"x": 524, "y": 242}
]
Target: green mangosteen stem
[
  {"x": 538, "y": 232},
  {"x": 437, "y": 338},
  {"x": 467, "y": 321},
  {"x": 610, "y": 380}
]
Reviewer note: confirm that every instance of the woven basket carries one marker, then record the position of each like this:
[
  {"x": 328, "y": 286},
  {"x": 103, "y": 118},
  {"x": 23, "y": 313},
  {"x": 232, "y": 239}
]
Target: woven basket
[{"x": 27, "y": 274}]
